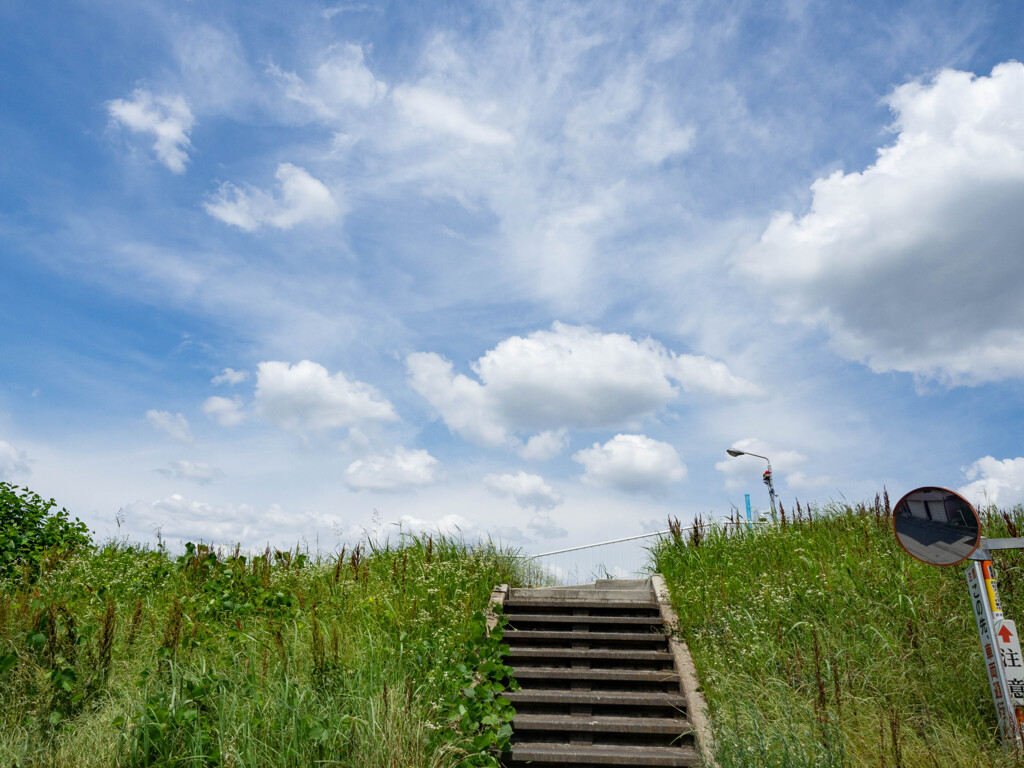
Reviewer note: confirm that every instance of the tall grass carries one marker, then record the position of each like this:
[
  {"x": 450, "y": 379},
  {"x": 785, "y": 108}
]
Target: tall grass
[
  {"x": 123, "y": 655},
  {"x": 819, "y": 642}
]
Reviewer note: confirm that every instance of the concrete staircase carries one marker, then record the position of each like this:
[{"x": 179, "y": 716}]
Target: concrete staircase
[{"x": 599, "y": 679}]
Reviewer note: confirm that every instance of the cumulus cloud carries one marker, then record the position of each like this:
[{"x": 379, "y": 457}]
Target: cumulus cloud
[
  {"x": 631, "y": 463},
  {"x": 302, "y": 198},
  {"x": 230, "y": 377},
  {"x": 913, "y": 264},
  {"x": 995, "y": 482},
  {"x": 545, "y": 445},
  {"x": 305, "y": 398},
  {"x": 195, "y": 472},
  {"x": 529, "y": 491},
  {"x": 167, "y": 118},
  {"x": 12, "y": 461},
  {"x": 225, "y": 411},
  {"x": 568, "y": 377},
  {"x": 400, "y": 469},
  {"x": 341, "y": 81},
  {"x": 435, "y": 111},
  {"x": 173, "y": 424}
]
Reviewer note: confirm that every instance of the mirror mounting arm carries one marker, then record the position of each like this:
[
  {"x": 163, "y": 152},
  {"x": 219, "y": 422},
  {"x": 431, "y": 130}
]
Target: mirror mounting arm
[{"x": 1012, "y": 543}]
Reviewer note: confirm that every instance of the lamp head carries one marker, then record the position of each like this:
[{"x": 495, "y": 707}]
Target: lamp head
[{"x": 734, "y": 452}]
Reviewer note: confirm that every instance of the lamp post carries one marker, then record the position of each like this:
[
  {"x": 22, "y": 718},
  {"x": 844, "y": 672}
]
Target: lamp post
[{"x": 767, "y": 475}]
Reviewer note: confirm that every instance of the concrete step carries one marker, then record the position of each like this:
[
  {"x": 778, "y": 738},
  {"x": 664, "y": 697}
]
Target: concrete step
[
  {"x": 609, "y": 599},
  {"x": 603, "y": 698},
  {"x": 645, "y": 622},
  {"x": 517, "y": 653},
  {"x": 662, "y": 726},
  {"x": 528, "y": 676},
  {"x": 543, "y": 755},
  {"x": 534, "y": 636}
]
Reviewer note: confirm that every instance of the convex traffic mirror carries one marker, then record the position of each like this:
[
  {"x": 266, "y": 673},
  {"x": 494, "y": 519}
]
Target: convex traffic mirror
[{"x": 936, "y": 526}]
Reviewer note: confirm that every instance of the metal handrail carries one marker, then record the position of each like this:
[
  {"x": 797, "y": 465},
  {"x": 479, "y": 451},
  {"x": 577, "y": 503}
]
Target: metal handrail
[
  {"x": 642, "y": 536},
  {"x": 602, "y": 543}
]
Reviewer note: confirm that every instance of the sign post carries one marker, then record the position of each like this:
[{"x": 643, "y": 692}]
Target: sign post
[
  {"x": 939, "y": 527},
  {"x": 985, "y": 601}
]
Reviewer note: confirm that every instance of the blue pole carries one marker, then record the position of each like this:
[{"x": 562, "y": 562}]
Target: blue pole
[{"x": 747, "y": 495}]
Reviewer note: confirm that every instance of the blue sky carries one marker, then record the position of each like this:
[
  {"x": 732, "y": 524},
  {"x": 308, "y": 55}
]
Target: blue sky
[{"x": 280, "y": 273}]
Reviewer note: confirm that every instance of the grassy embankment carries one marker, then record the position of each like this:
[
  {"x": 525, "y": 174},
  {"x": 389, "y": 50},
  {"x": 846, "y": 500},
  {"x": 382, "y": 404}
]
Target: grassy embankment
[
  {"x": 819, "y": 642},
  {"x": 120, "y": 654}
]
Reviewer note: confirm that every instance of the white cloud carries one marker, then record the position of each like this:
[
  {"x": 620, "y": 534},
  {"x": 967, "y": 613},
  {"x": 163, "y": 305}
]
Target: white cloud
[
  {"x": 302, "y": 198},
  {"x": 167, "y": 118},
  {"x": 995, "y": 482},
  {"x": 427, "y": 108},
  {"x": 545, "y": 445},
  {"x": 12, "y": 461},
  {"x": 340, "y": 82},
  {"x": 568, "y": 377},
  {"x": 462, "y": 402},
  {"x": 631, "y": 463},
  {"x": 305, "y": 398},
  {"x": 173, "y": 424},
  {"x": 182, "y": 519},
  {"x": 196, "y": 472},
  {"x": 529, "y": 491},
  {"x": 225, "y": 411},
  {"x": 453, "y": 525},
  {"x": 913, "y": 264},
  {"x": 402, "y": 468},
  {"x": 661, "y": 137},
  {"x": 546, "y": 528},
  {"x": 230, "y": 376}
]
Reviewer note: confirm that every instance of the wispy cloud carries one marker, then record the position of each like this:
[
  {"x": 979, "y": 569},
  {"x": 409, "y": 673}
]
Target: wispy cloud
[
  {"x": 174, "y": 425},
  {"x": 13, "y": 462},
  {"x": 196, "y": 472},
  {"x": 167, "y": 119},
  {"x": 302, "y": 198}
]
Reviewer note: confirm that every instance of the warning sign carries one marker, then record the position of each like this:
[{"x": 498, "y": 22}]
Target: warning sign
[{"x": 1013, "y": 665}]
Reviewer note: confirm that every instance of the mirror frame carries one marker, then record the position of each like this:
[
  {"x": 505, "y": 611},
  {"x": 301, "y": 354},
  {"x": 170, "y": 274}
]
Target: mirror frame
[{"x": 977, "y": 541}]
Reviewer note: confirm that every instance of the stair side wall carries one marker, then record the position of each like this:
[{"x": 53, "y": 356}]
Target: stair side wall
[{"x": 689, "y": 684}]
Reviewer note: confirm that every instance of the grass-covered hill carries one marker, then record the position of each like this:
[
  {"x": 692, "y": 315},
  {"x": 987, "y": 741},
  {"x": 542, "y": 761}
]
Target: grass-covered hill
[
  {"x": 819, "y": 642},
  {"x": 116, "y": 654}
]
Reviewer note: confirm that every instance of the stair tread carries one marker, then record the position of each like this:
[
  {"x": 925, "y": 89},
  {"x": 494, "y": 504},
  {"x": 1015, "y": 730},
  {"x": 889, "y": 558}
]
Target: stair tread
[
  {"x": 602, "y": 724},
  {"x": 590, "y": 653},
  {"x": 559, "y": 618},
  {"x": 571, "y": 673},
  {"x": 557, "y": 602},
  {"x": 603, "y": 754},
  {"x": 525, "y": 635},
  {"x": 633, "y": 698}
]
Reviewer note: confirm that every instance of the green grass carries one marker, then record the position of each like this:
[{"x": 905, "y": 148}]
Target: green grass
[
  {"x": 122, "y": 655},
  {"x": 820, "y": 642}
]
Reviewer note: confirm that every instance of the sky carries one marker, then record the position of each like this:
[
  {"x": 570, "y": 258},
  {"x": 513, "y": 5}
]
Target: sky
[{"x": 296, "y": 273}]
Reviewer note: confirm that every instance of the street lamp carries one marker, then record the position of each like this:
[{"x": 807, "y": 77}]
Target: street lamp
[{"x": 767, "y": 477}]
